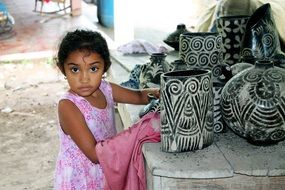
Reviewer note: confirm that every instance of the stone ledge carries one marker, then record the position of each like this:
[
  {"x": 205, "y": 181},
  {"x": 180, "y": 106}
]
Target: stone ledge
[
  {"x": 250, "y": 159},
  {"x": 206, "y": 163},
  {"x": 227, "y": 156}
]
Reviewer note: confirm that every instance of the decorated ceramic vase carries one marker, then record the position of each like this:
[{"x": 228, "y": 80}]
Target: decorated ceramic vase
[
  {"x": 232, "y": 29},
  {"x": 253, "y": 103},
  {"x": 150, "y": 72},
  {"x": 186, "y": 109},
  {"x": 201, "y": 50},
  {"x": 261, "y": 39},
  {"x": 152, "y": 106},
  {"x": 134, "y": 80},
  {"x": 219, "y": 126},
  {"x": 178, "y": 65}
]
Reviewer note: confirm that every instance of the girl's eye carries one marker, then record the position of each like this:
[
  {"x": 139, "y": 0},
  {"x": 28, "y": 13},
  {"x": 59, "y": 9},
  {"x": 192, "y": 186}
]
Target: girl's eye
[
  {"x": 74, "y": 69},
  {"x": 93, "y": 69}
]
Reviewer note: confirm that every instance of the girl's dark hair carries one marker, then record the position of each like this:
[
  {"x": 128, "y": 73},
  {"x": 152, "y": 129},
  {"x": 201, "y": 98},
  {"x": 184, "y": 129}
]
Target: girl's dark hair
[{"x": 79, "y": 39}]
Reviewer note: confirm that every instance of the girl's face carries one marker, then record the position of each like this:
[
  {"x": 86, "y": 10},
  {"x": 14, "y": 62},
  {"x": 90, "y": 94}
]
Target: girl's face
[{"x": 84, "y": 72}]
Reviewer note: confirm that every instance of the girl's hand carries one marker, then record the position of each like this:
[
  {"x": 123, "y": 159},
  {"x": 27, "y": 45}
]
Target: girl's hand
[
  {"x": 133, "y": 96},
  {"x": 154, "y": 93}
]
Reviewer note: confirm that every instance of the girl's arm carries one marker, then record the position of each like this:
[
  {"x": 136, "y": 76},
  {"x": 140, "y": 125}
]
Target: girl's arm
[
  {"x": 73, "y": 123},
  {"x": 132, "y": 96}
]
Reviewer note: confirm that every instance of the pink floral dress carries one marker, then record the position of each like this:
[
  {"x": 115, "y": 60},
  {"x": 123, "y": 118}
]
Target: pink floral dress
[{"x": 74, "y": 171}]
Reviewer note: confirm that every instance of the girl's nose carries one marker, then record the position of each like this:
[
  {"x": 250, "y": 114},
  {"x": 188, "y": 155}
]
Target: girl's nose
[{"x": 85, "y": 77}]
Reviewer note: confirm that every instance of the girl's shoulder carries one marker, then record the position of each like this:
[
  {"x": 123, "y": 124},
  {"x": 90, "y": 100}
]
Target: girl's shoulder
[
  {"x": 106, "y": 86},
  {"x": 70, "y": 96},
  {"x": 76, "y": 99},
  {"x": 81, "y": 103}
]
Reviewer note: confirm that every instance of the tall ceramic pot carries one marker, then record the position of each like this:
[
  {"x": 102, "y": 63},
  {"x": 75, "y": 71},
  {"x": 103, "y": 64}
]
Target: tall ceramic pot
[
  {"x": 186, "y": 106},
  {"x": 253, "y": 103},
  {"x": 150, "y": 72},
  {"x": 201, "y": 50},
  {"x": 232, "y": 29},
  {"x": 261, "y": 39}
]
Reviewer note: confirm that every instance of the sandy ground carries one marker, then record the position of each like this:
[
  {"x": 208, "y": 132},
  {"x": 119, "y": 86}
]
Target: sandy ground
[{"x": 28, "y": 124}]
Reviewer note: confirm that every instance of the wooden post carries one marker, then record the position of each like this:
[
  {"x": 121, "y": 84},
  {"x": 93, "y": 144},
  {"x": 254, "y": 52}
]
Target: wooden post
[{"x": 75, "y": 7}]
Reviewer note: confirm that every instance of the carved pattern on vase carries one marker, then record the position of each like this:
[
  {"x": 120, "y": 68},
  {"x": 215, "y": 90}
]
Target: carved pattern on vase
[
  {"x": 253, "y": 104},
  {"x": 186, "y": 112},
  {"x": 151, "y": 71},
  {"x": 264, "y": 41},
  {"x": 200, "y": 50},
  {"x": 232, "y": 29}
]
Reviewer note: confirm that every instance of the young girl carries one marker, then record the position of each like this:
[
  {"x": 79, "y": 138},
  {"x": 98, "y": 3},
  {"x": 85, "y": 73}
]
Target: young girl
[{"x": 86, "y": 111}]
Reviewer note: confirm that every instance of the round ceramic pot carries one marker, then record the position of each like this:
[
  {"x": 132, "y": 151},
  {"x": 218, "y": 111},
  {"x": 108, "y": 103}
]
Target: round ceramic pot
[
  {"x": 186, "y": 106},
  {"x": 150, "y": 72},
  {"x": 232, "y": 29},
  {"x": 200, "y": 50},
  {"x": 253, "y": 103}
]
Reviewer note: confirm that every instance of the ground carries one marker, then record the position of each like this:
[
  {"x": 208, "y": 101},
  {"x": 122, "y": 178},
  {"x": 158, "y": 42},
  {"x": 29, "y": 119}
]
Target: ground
[{"x": 28, "y": 124}]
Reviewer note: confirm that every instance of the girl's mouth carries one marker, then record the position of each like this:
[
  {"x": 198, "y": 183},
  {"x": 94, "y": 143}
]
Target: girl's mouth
[{"x": 85, "y": 88}]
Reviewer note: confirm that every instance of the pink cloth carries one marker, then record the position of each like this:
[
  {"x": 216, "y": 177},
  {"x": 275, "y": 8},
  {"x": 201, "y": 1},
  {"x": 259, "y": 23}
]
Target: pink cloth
[{"x": 121, "y": 156}]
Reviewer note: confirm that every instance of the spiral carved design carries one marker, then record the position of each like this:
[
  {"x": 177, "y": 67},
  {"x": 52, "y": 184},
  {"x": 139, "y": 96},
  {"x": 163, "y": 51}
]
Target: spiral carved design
[
  {"x": 200, "y": 50},
  {"x": 261, "y": 39}
]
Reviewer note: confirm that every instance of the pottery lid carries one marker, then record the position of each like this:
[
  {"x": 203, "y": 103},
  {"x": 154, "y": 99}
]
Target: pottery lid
[{"x": 180, "y": 26}]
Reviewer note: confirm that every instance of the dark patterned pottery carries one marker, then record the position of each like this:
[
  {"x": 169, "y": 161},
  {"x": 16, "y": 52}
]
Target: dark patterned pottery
[
  {"x": 134, "y": 80},
  {"x": 261, "y": 39},
  {"x": 152, "y": 106},
  {"x": 186, "y": 109},
  {"x": 201, "y": 50},
  {"x": 178, "y": 65},
  {"x": 232, "y": 29},
  {"x": 219, "y": 126},
  {"x": 253, "y": 103},
  {"x": 151, "y": 71},
  {"x": 173, "y": 38}
]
